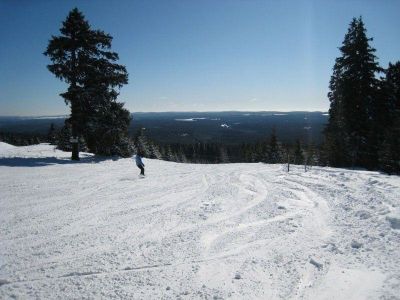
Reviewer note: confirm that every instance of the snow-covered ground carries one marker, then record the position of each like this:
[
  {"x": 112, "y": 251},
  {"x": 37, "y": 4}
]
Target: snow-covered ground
[{"x": 93, "y": 229}]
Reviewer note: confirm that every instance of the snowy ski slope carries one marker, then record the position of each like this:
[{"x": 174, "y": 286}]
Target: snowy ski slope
[{"x": 93, "y": 229}]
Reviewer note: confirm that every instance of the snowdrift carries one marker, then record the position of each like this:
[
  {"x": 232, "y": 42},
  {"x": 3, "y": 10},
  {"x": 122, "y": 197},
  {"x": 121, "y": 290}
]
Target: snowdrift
[
  {"x": 94, "y": 229},
  {"x": 6, "y": 147}
]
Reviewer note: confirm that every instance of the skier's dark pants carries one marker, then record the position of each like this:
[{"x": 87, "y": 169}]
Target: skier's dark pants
[{"x": 141, "y": 169}]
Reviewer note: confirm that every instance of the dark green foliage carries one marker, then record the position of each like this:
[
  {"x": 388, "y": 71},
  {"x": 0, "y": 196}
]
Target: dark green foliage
[
  {"x": 298, "y": 157},
  {"x": 82, "y": 58},
  {"x": 63, "y": 137},
  {"x": 52, "y": 134},
  {"x": 312, "y": 155},
  {"x": 22, "y": 139},
  {"x": 107, "y": 131},
  {"x": 389, "y": 152},
  {"x": 274, "y": 151},
  {"x": 355, "y": 105},
  {"x": 148, "y": 148},
  {"x": 223, "y": 153},
  {"x": 336, "y": 150},
  {"x": 392, "y": 88},
  {"x": 364, "y": 116}
]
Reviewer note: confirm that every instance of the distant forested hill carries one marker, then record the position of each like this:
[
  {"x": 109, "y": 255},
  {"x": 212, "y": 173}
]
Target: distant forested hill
[{"x": 211, "y": 127}]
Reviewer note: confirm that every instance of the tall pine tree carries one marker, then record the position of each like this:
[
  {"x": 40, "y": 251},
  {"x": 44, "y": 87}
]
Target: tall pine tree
[
  {"x": 354, "y": 100},
  {"x": 389, "y": 154},
  {"x": 82, "y": 58}
]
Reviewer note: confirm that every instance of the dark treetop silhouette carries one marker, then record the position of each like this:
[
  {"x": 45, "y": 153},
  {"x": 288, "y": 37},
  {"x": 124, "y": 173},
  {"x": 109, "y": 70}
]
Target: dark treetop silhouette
[{"x": 82, "y": 58}]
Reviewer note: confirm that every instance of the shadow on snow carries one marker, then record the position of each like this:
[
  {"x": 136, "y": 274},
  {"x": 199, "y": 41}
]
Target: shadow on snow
[{"x": 48, "y": 161}]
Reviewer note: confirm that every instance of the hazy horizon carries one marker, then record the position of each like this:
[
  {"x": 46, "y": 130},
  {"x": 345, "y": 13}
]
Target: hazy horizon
[{"x": 183, "y": 111}]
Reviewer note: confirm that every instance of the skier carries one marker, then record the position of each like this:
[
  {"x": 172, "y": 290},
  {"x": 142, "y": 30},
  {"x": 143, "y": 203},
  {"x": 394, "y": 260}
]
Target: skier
[{"x": 140, "y": 163}]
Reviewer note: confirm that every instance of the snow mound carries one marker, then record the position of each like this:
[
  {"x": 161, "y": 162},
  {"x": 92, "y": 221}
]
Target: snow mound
[
  {"x": 93, "y": 229},
  {"x": 5, "y": 147}
]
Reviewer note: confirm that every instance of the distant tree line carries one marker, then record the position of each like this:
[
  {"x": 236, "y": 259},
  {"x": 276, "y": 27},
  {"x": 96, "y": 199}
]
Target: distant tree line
[
  {"x": 22, "y": 139},
  {"x": 270, "y": 150},
  {"x": 364, "y": 115}
]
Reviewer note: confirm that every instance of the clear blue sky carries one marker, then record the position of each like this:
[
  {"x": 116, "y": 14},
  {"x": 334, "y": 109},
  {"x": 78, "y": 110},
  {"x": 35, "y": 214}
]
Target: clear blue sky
[{"x": 195, "y": 55}]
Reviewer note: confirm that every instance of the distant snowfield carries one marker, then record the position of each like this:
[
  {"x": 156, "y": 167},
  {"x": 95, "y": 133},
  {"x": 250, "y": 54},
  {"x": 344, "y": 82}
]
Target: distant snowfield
[
  {"x": 190, "y": 119},
  {"x": 93, "y": 230},
  {"x": 50, "y": 117}
]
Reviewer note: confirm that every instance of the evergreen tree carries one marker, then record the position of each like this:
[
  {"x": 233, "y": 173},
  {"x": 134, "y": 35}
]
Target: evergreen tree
[
  {"x": 149, "y": 148},
  {"x": 312, "y": 155},
  {"x": 274, "y": 151},
  {"x": 353, "y": 101},
  {"x": 392, "y": 92},
  {"x": 64, "y": 136},
  {"x": 224, "y": 157},
  {"x": 52, "y": 134},
  {"x": 182, "y": 157},
  {"x": 142, "y": 143},
  {"x": 80, "y": 56},
  {"x": 389, "y": 153},
  {"x": 107, "y": 131},
  {"x": 155, "y": 151},
  {"x": 298, "y": 154},
  {"x": 169, "y": 155}
]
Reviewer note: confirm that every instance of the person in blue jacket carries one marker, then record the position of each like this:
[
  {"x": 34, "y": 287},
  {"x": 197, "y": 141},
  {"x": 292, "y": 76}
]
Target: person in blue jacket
[{"x": 139, "y": 162}]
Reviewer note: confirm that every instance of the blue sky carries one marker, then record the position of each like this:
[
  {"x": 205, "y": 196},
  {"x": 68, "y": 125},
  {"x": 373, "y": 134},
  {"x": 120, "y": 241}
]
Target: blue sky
[{"x": 195, "y": 55}]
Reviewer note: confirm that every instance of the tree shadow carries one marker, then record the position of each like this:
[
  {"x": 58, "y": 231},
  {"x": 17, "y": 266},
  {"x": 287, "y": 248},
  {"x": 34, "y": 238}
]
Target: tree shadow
[{"x": 48, "y": 161}]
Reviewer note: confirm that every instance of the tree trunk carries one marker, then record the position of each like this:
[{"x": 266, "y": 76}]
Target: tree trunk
[
  {"x": 74, "y": 125},
  {"x": 74, "y": 111},
  {"x": 75, "y": 137}
]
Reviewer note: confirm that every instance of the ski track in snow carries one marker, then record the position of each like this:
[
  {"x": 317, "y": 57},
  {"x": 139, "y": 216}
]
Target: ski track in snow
[{"x": 93, "y": 229}]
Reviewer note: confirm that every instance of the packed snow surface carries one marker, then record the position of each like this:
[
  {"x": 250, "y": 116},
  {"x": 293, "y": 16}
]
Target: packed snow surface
[{"x": 94, "y": 229}]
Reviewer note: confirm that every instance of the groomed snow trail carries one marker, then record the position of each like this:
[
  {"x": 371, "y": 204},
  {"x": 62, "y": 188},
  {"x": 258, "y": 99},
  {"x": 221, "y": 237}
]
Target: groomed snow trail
[{"x": 93, "y": 229}]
